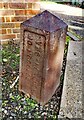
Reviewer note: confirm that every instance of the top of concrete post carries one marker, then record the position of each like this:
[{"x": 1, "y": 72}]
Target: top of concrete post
[{"x": 45, "y": 21}]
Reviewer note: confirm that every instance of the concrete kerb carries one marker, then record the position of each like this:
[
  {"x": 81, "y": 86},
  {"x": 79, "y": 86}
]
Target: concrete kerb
[{"x": 71, "y": 102}]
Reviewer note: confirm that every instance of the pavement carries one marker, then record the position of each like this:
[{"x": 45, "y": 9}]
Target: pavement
[
  {"x": 72, "y": 95},
  {"x": 73, "y": 16}
]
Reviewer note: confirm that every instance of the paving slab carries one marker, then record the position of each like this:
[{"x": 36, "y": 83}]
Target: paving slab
[
  {"x": 64, "y": 9},
  {"x": 71, "y": 101}
]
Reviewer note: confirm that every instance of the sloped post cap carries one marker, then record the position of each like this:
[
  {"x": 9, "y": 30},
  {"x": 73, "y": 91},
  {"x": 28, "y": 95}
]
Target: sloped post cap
[{"x": 45, "y": 21}]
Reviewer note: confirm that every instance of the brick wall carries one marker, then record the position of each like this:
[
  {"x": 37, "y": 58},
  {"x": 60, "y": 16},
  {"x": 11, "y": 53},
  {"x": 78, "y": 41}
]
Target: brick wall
[{"x": 12, "y": 13}]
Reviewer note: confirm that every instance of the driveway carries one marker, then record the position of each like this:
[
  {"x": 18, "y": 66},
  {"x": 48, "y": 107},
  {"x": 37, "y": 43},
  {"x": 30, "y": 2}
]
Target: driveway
[{"x": 73, "y": 16}]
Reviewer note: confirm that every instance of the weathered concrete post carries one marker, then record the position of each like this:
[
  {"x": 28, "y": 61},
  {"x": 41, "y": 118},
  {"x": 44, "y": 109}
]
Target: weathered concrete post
[{"x": 42, "y": 47}]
